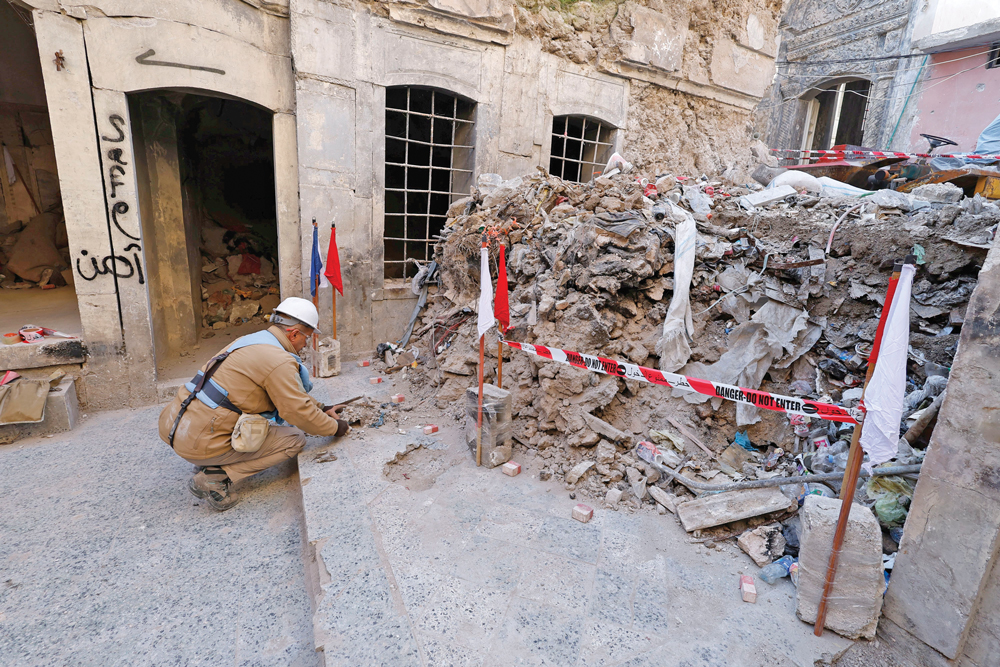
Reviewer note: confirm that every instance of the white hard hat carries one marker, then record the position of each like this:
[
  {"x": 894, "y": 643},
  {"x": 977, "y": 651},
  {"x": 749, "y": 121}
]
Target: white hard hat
[{"x": 301, "y": 310}]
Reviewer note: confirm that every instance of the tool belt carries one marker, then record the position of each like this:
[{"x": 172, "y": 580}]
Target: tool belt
[{"x": 207, "y": 391}]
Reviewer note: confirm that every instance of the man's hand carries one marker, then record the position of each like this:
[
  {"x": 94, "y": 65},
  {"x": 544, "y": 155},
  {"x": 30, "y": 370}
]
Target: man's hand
[{"x": 335, "y": 411}]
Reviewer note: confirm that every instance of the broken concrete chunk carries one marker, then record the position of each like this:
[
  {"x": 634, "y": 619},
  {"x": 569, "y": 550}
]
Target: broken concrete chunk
[
  {"x": 665, "y": 499},
  {"x": 763, "y": 544},
  {"x": 767, "y": 196},
  {"x": 613, "y": 497},
  {"x": 856, "y": 603},
  {"x": 721, "y": 508},
  {"x": 578, "y": 471},
  {"x": 604, "y": 428},
  {"x": 605, "y": 452}
]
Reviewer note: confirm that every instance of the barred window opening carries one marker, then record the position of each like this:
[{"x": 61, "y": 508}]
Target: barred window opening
[
  {"x": 993, "y": 59},
  {"x": 429, "y": 145},
  {"x": 580, "y": 147}
]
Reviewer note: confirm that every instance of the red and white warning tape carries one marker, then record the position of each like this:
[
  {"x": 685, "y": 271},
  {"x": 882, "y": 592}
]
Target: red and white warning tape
[
  {"x": 755, "y": 397},
  {"x": 840, "y": 155}
]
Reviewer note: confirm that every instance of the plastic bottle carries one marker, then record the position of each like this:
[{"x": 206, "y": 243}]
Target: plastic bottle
[
  {"x": 776, "y": 570},
  {"x": 793, "y": 572},
  {"x": 699, "y": 202}
]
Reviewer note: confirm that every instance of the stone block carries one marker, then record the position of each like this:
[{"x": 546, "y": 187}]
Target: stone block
[
  {"x": 657, "y": 39},
  {"x": 613, "y": 498},
  {"x": 729, "y": 506},
  {"x": 497, "y": 422},
  {"x": 856, "y": 601},
  {"x": 511, "y": 469},
  {"x": 739, "y": 68},
  {"x": 763, "y": 544},
  {"x": 582, "y": 513},
  {"x": 769, "y": 196},
  {"x": 329, "y": 357}
]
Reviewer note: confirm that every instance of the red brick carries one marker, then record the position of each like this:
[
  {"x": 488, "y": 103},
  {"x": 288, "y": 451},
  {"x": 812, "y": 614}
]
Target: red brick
[
  {"x": 748, "y": 588},
  {"x": 374, "y": 380},
  {"x": 512, "y": 469},
  {"x": 582, "y": 513},
  {"x": 430, "y": 428}
]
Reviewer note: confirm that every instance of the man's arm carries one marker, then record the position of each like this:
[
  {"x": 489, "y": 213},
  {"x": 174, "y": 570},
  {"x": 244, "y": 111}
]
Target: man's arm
[{"x": 295, "y": 406}]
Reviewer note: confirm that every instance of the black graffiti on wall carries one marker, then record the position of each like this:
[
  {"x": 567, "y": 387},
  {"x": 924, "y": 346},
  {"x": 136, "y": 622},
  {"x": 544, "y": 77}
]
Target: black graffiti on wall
[
  {"x": 116, "y": 265},
  {"x": 116, "y": 168}
]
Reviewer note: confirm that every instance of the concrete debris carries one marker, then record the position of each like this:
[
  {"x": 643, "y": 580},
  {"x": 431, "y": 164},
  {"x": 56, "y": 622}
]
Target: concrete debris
[
  {"x": 942, "y": 193},
  {"x": 763, "y": 544},
  {"x": 784, "y": 292},
  {"x": 721, "y": 508},
  {"x": 856, "y": 604}
]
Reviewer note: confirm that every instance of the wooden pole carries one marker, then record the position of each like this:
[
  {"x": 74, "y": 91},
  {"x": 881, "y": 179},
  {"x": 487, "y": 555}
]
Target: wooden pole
[
  {"x": 854, "y": 460},
  {"x": 500, "y": 364},
  {"x": 479, "y": 419},
  {"x": 333, "y": 226},
  {"x": 315, "y": 338}
]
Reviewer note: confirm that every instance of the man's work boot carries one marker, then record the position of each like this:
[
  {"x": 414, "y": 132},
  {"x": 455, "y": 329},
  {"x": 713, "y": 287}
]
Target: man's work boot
[{"x": 214, "y": 486}]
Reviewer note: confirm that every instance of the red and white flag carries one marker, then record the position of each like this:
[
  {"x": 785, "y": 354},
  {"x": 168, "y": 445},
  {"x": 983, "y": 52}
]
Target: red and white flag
[
  {"x": 332, "y": 272},
  {"x": 885, "y": 392},
  {"x": 501, "y": 304},
  {"x": 485, "y": 288}
]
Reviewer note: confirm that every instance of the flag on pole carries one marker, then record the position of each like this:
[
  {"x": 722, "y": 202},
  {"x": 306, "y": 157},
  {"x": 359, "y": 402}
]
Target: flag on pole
[
  {"x": 485, "y": 306},
  {"x": 316, "y": 270},
  {"x": 885, "y": 392},
  {"x": 501, "y": 303},
  {"x": 332, "y": 272}
]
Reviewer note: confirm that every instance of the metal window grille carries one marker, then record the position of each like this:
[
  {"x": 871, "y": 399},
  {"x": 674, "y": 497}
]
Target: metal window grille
[
  {"x": 993, "y": 60},
  {"x": 429, "y": 144},
  {"x": 580, "y": 147}
]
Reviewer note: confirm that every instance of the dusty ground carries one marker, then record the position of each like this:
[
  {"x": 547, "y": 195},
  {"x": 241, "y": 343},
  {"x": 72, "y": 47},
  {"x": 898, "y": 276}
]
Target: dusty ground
[{"x": 424, "y": 559}]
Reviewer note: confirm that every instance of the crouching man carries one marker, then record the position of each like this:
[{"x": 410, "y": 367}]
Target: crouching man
[{"x": 229, "y": 419}]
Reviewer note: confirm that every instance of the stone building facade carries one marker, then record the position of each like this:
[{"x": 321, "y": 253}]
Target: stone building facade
[
  {"x": 838, "y": 74},
  {"x": 172, "y": 122}
]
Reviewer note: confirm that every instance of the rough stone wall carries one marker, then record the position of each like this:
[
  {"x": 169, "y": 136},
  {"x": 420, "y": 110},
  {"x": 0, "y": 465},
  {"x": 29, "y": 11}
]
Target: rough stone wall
[{"x": 672, "y": 132}]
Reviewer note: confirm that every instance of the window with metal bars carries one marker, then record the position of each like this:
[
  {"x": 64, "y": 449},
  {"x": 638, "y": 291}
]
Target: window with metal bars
[
  {"x": 581, "y": 146},
  {"x": 993, "y": 59},
  {"x": 429, "y": 146}
]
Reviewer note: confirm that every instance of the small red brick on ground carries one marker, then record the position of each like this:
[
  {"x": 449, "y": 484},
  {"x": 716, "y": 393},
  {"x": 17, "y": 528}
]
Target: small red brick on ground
[
  {"x": 582, "y": 513},
  {"x": 748, "y": 588},
  {"x": 398, "y": 398},
  {"x": 374, "y": 380},
  {"x": 430, "y": 428},
  {"x": 512, "y": 469},
  {"x": 363, "y": 363}
]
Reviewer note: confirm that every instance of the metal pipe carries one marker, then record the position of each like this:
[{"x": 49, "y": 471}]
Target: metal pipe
[
  {"x": 776, "y": 481},
  {"x": 829, "y": 243}
]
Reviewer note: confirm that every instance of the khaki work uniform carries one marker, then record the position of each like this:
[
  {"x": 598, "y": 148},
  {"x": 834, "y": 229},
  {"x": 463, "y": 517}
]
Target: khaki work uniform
[{"x": 259, "y": 378}]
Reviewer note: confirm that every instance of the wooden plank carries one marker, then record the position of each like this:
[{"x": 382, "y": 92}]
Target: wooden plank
[
  {"x": 690, "y": 436},
  {"x": 720, "y": 508}
]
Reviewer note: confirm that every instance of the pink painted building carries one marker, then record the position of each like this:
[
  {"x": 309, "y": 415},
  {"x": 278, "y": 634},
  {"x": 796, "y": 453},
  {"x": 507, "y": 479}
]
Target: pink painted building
[{"x": 957, "y": 93}]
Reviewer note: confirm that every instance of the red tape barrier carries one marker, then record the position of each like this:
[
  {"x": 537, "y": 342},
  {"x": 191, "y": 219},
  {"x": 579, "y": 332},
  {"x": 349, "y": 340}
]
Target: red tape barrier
[
  {"x": 761, "y": 399},
  {"x": 840, "y": 155}
]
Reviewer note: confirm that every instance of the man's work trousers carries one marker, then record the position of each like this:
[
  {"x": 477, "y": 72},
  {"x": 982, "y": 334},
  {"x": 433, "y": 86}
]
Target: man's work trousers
[{"x": 281, "y": 444}]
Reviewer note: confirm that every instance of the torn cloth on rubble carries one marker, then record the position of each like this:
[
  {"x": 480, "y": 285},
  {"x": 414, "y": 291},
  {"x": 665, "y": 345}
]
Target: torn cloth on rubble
[
  {"x": 485, "y": 288},
  {"x": 884, "y": 395},
  {"x": 674, "y": 348}
]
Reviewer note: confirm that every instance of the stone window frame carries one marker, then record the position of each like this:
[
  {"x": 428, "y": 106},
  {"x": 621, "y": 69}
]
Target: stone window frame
[
  {"x": 606, "y": 137},
  {"x": 461, "y": 168}
]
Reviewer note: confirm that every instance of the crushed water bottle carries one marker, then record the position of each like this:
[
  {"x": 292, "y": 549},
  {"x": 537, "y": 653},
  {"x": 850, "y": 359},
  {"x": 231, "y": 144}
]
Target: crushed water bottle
[{"x": 776, "y": 570}]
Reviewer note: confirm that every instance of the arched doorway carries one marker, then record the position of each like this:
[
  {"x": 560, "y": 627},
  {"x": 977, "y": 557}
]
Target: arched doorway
[
  {"x": 835, "y": 114},
  {"x": 206, "y": 189}
]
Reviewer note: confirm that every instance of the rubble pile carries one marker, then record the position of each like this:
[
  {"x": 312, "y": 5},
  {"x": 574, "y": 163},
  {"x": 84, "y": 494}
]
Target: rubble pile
[
  {"x": 35, "y": 253},
  {"x": 591, "y": 268},
  {"x": 238, "y": 282}
]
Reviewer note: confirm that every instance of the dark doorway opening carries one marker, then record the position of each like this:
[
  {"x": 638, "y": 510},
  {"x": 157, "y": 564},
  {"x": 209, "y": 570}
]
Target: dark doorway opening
[
  {"x": 36, "y": 279},
  {"x": 205, "y": 167}
]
